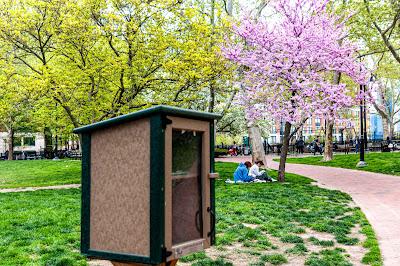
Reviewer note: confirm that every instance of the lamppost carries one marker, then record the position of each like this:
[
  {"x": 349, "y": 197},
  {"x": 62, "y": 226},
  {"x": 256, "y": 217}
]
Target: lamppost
[
  {"x": 362, "y": 162},
  {"x": 365, "y": 119}
]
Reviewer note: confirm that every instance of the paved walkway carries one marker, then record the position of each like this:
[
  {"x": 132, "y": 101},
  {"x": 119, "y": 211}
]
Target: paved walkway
[
  {"x": 378, "y": 196},
  {"x": 24, "y": 189}
]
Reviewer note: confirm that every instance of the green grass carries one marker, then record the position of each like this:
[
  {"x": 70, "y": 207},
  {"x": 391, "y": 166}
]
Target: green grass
[
  {"x": 210, "y": 262},
  {"x": 386, "y": 163},
  {"x": 297, "y": 249},
  {"x": 283, "y": 211},
  {"x": 194, "y": 257},
  {"x": 335, "y": 257},
  {"x": 274, "y": 259},
  {"x": 39, "y": 173},
  {"x": 323, "y": 243},
  {"x": 371, "y": 243},
  {"x": 42, "y": 227}
]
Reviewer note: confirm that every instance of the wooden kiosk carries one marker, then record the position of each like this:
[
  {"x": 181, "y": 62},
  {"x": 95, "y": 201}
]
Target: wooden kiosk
[{"x": 148, "y": 186}]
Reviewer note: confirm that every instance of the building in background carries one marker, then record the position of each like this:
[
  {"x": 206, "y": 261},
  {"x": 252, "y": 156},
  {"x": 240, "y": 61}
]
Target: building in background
[
  {"x": 312, "y": 128},
  {"x": 376, "y": 127},
  {"x": 315, "y": 127},
  {"x": 27, "y": 142}
]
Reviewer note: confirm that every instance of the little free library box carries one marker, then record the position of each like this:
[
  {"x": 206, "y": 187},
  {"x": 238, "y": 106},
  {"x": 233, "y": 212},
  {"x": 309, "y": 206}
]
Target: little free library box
[{"x": 148, "y": 185}]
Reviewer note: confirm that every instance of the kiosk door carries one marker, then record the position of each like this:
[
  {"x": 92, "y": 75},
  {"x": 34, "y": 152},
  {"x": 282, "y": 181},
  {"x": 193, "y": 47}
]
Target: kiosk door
[{"x": 187, "y": 193}]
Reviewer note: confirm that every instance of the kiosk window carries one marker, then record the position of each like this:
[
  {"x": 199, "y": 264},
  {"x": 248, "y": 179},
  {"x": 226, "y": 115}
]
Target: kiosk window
[{"x": 186, "y": 186}]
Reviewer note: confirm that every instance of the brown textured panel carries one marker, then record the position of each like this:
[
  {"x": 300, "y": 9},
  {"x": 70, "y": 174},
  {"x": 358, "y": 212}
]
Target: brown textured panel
[{"x": 120, "y": 189}]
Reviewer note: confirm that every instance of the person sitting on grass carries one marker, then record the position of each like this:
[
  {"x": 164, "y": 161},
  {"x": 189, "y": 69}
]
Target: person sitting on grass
[
  {"x": 241, "y": 173},
  {"x": 259, "y": 175}
]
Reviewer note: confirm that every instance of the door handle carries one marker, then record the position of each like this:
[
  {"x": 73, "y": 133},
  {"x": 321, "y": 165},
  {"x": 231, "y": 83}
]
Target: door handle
[
  {"x": 198, "y": 221},
  {"x": 213, "y": 175}
]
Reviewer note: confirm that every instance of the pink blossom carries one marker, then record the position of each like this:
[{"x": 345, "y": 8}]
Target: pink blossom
[{"x": 288, "y": 68}]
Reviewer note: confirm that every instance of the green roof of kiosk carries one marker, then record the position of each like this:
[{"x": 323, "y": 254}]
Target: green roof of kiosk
[{"x": 160, "y": 109}]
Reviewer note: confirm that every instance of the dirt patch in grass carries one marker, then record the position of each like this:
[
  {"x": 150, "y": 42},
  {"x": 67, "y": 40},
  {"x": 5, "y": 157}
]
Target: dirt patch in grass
[
  {"x": 252, "y": 226},
  {"x": 239, "y": 255},
  {"x": 27, "y": 189},
  {"x": 100, "y": 263},
  {"x": 356, "y": 252},
  {"x": 294, "y": 223}
]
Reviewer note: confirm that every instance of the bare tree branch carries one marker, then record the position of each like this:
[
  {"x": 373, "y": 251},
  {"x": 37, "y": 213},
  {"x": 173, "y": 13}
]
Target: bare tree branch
[{"x": 383, "y": 32}]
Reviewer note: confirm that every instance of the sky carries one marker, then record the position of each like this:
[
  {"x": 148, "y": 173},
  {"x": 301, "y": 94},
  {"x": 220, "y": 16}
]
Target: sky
[{"x": 253, "y": 5}]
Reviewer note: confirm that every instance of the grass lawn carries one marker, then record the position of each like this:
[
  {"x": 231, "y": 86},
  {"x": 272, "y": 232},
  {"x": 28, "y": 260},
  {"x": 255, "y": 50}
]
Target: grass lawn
[
  {"x": 39, "y": 173},
  {"x": 257, "y": 224},
  {"x": 40, "y": 228},
  {"x": 386, "y": 162},
  {"x": 295, "y": 222}
]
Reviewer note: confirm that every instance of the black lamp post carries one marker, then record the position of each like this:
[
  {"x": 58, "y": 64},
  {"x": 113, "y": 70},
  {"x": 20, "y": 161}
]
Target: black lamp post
[
  {"x": 362, "y": 162},
  {"x": 365, "y": 120}
]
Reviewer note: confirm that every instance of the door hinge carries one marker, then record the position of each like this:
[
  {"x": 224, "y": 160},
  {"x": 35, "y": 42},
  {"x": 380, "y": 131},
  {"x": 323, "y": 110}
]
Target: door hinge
[{"x": 165, "y": 254}]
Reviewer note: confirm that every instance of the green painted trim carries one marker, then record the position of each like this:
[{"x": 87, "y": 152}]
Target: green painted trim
[
  {"x": 212, "y": 181},
  {"x": 157, "y": 181},
  {"x": 118, "y": 256},
  {"x": 160, "y": 109},
  {"x": 85, "y": 208}
]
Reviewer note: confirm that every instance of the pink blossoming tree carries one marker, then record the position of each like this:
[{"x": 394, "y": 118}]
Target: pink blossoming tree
[{"x": 289, "y": 65}]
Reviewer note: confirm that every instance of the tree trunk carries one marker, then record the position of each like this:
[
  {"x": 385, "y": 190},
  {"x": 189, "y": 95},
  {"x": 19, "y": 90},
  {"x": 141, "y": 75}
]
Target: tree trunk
[
  {"x": 229, "y": 7},
  {"x": 391, "y": 129},
  {"x": 257, "y": 148},
  {"x": 385, "y": 128},
  {"x": 284, "y": 152},
  {"x": 328, "y": 149},
  {"x": 211, "y": 102},
  {"x": 10, "y": 144},
  {"x": 80, "y": 143}
]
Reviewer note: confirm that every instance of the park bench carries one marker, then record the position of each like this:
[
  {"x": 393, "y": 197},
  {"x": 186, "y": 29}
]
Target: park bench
[
  {"x": 77, "y": 155},
  {"x": 220, "y": 152},
  {"x": 374, "y": 146},
  {"x": 342, "y": 148},
  {"x": 32, "y": 155}
]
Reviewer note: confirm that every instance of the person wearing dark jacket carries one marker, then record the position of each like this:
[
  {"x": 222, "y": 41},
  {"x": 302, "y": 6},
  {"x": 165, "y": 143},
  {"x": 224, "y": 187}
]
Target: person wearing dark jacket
[{"x": 300, "y": 145}]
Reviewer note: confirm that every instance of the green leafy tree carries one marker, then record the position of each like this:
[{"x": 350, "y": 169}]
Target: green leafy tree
[
  {"x": 99, "y": 59},
  {"x": 15, "y": 103},
  {"x": 376, "y": 25}
]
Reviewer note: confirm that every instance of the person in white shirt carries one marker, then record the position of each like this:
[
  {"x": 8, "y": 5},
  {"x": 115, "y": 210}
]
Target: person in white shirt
[{"x": 257, "y": 174}]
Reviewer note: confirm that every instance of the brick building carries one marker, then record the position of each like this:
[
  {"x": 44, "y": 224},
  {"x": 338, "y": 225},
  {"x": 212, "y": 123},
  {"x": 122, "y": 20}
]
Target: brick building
[{"x": 315, "y": 126}]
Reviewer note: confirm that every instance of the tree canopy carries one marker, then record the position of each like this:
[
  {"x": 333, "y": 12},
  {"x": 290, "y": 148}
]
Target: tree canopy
[{"x": 98, "y": 59}]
